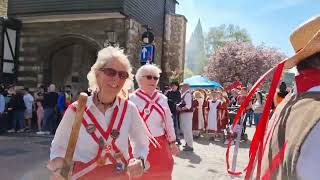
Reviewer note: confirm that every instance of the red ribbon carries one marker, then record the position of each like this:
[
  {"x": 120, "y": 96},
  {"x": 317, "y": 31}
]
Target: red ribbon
[{"x": 257, "y": 141}]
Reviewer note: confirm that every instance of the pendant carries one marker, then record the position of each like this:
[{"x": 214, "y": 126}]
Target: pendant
[
  {"x": 101, "y": 161},
  {"x": 119, "y": 167},
  {"x": 107, "y": 148},
  {"x": 91, "y": 128},
  {"x": 146, "y": 111},
  {"x": 115, "y": 134},
  {"x": 101, "y": 142},
  {"x": 152, "y": 102}
]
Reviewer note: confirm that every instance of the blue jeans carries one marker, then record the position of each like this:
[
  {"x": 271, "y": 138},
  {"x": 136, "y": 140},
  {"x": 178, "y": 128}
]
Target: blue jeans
[
  {"x": 249, "y": 115},
  {"x": 257, "y": 118},
  {"x": 18, "y": 118},
  {"x": 48, "y": 119}
]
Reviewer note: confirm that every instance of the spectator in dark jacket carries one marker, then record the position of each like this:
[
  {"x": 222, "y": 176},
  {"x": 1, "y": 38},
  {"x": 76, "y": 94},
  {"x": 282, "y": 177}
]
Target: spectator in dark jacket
[
  {"x": 17, "y": 106},
  {"x": 174, "y": 97},
  {"x": 49, "y": 105}
]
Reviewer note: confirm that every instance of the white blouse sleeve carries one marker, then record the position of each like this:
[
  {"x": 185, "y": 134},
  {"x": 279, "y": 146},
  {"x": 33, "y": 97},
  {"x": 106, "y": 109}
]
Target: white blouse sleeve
[
  {"x": 168, "y": 122},
  {"x": 60, "y": 141},
  {"x": 137, "y": 134},
  {"x": 308, "y": 163},
  {"x": 188, "y": 100}
]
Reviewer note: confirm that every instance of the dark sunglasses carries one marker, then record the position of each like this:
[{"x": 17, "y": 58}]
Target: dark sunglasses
[
  {"x": 112, "y": 73},
  {"x": 149, "y": 77}
]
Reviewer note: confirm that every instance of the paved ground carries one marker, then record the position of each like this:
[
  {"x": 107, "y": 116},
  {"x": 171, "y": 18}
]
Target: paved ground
[
  {"x": 207, "y": 162},
  {"x": 24, "y": 156}
]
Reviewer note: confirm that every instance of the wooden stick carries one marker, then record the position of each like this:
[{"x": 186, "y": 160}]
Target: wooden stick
[{"x": 82, "y": 100}]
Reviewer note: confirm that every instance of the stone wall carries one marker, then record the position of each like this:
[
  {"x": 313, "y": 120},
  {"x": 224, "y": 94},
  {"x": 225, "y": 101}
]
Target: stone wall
[
  {"x": 174, "y": 44},
  {"x": 134, "y": 32},
  {"x": 3, "y": 7},
  {"x": 37, "y": 39}
]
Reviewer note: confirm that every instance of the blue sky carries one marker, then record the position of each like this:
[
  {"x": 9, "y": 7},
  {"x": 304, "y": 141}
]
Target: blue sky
[{"x": 270, "y": 22}]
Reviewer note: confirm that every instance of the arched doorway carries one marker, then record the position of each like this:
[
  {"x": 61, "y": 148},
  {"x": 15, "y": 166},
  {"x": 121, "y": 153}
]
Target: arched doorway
[{"x": 68, "y": 61}]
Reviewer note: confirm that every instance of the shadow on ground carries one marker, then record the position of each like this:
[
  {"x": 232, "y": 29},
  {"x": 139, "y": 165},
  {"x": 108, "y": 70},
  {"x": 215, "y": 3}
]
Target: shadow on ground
[
  {"x": 206, "y": 141},
  {"x": 193, "y": 158}
]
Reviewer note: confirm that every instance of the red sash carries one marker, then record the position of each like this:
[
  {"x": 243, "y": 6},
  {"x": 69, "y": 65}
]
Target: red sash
[
  {"x": 152, "y": 104},
  {"x": 109, "y": 149}
]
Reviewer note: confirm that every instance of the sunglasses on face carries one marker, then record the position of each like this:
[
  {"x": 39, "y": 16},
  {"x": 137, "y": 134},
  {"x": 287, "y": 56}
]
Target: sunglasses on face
[
  {"x": 112, "y": 73},
  {"x": 149, "y": 77}
]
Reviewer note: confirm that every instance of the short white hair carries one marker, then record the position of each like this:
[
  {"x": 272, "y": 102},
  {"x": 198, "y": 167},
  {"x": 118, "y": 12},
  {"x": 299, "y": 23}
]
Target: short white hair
[
  {"x": 106, "y": 55},
  {"x": 147, "y": 69},
  {"x": 51, "y": 88}
]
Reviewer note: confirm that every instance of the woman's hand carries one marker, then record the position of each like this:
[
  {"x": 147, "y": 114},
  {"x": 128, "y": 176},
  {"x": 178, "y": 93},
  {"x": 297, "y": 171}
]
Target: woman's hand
[
  {"x": 174, "y": 149},
  {"x": 55, "y": 166},
  {"x": 135, "y": 167}
]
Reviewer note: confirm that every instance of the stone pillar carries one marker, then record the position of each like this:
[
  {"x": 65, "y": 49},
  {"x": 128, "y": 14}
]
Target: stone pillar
[
  {"x": 3, "y": 7},
  {"x": 174, "y": 44},
  {"x": 133, "y": 31}
]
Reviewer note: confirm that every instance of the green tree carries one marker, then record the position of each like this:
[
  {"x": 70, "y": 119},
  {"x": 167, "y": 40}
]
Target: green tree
[
  {"x": 288, "y": 78},
  {"x": 218, "y": 36}
]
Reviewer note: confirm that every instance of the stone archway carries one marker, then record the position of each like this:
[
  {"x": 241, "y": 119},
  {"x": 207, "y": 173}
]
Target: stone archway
[{"x": 68, "y": 59}]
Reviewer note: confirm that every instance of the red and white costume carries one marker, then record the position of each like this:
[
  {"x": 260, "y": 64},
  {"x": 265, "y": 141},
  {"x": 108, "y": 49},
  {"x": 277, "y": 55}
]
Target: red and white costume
[
  {"x": 157, "y": 116},
  {"x": 198, "y": 116},
  {"x": 102, "y": 146},
  {"x": 213, "y": 116}
]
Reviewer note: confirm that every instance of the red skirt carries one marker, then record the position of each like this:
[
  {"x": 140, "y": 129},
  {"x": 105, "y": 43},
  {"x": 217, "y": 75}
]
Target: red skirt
[
  {"x": 161, "y": 161},
  {"x": 195, "y": 120},
  {"x": 102, "y": 172}
]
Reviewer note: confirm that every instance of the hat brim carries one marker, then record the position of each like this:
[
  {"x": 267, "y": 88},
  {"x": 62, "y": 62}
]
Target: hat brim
[
  {"x": 312, "y": 47},
  {"x": 184, "y": 84}
]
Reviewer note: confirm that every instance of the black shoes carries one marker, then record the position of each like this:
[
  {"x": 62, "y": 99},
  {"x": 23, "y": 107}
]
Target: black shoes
[
  {"x": 188, "y": 148},
  {"x": 178, "y": 142}
]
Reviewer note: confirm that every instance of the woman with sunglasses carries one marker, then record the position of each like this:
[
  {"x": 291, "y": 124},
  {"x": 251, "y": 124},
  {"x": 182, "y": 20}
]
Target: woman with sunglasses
[
  {"x": 108, "y": 123},
  {"x": 154, "y": 109}
]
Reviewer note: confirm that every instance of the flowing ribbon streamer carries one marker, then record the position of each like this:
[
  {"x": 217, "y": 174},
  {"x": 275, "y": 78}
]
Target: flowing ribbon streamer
[{"x": 257, "y": 140}]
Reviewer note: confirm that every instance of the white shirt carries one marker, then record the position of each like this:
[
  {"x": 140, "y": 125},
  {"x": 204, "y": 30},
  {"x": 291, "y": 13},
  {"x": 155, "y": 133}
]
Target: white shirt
[
  {"x": 28, "y": 101},
  {"x": 155, "y": 123},
  {"x": 86, "y": 148},
  {"x": 308, "y": 163},
  {"x": 187, "y": 99}
]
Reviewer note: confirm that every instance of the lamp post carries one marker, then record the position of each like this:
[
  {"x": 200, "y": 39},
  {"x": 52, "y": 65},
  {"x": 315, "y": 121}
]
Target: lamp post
[
  {"x": 147, "y": 36},
  {"x": 111, "y": 39}
]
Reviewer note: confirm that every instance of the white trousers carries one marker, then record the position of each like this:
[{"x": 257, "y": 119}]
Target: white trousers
[{"x": 186, "y": 127}]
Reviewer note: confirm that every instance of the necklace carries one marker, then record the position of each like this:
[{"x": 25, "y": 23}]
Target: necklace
[{"x": 102, "y": 103}]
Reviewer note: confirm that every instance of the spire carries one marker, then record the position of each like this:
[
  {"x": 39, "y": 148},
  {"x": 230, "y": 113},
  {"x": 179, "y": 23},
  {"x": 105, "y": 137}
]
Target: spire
[
  {"x": 197, "y": 33},
  {"x": 195, "y": 49},
  {"x": 198, "y": 27}
]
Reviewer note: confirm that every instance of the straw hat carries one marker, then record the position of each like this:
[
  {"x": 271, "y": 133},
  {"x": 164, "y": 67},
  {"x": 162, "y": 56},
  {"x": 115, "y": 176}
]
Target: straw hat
[
  {"x": 305, "y": 41},
  {"x": 198, "y": 94}
]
